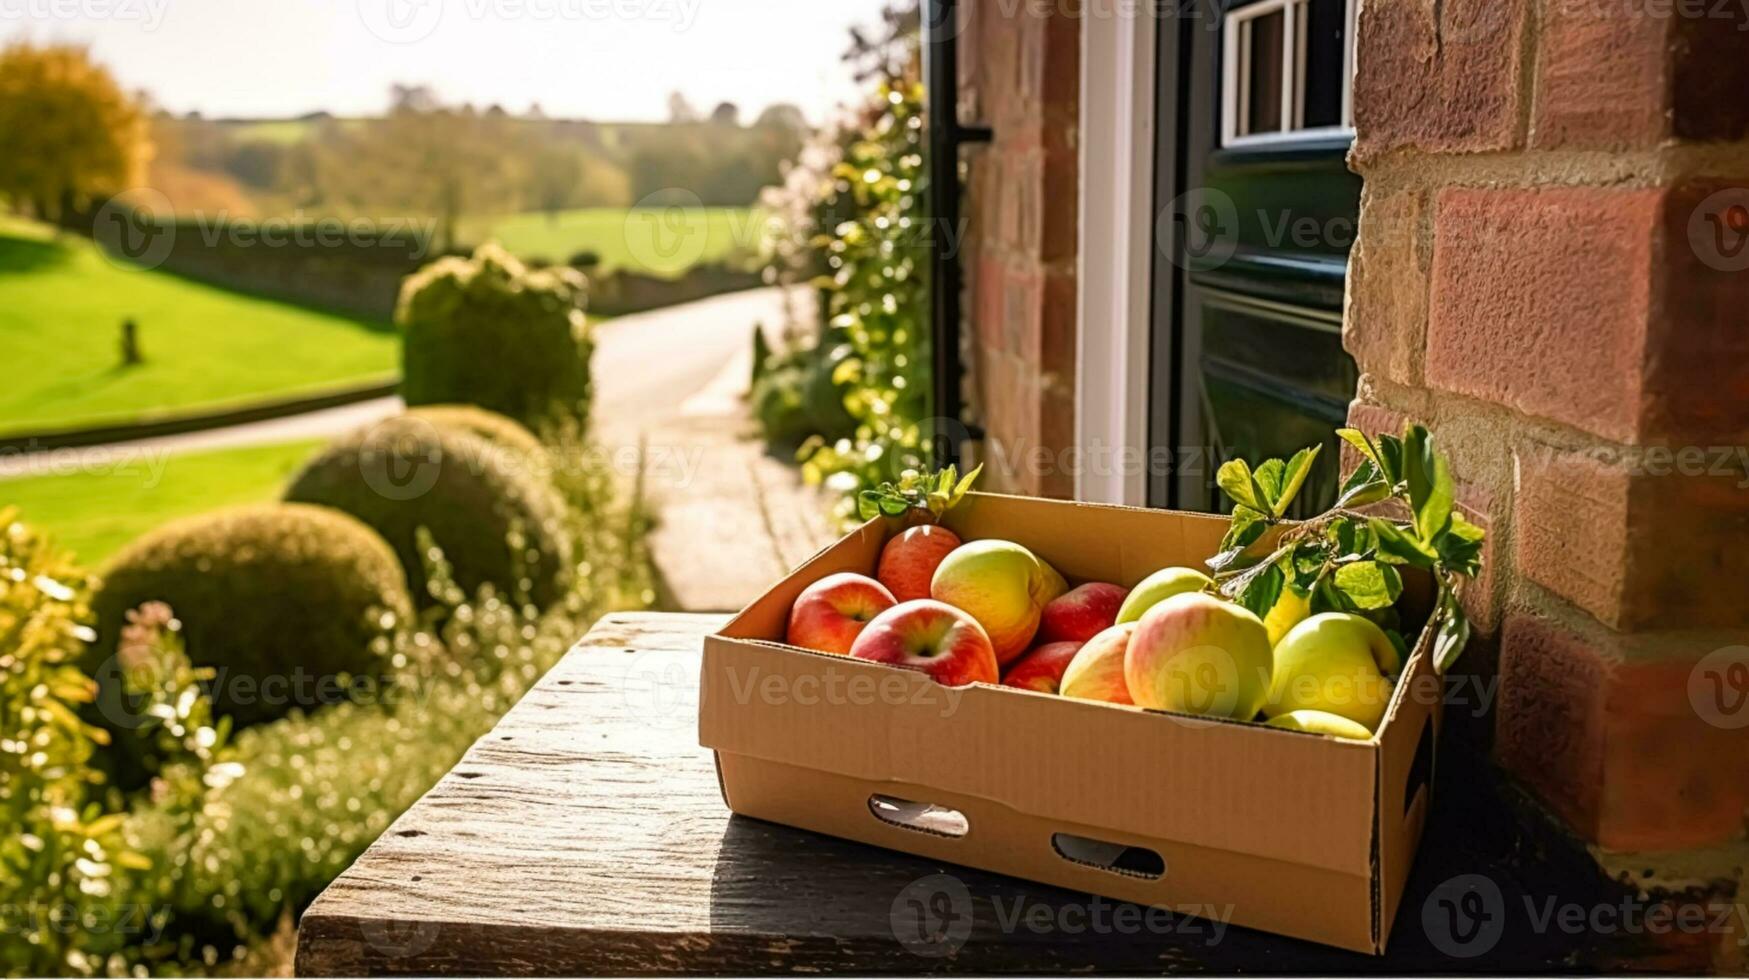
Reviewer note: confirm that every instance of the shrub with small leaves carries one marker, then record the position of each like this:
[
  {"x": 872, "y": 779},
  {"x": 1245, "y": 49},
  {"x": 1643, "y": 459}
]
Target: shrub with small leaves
[
  {"x": 489, "y": 331},
  {"x": 1345, "y": 560},
  {"x": 497, "y": 519}
]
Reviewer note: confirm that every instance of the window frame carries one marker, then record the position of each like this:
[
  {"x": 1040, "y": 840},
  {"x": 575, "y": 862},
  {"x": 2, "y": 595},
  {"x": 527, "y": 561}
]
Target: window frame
[{"x": 1236, "y": 54}]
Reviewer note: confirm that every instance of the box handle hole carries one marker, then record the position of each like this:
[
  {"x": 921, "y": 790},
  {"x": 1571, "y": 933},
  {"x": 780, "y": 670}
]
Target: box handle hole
[
  {"x": 1120, "y": 859},
  {"x": 924, "y": 818}
]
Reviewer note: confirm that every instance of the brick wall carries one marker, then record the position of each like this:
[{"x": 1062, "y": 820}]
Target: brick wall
[
  {"x": 1547, "y": 274},
  {"x": 1020, "y": 74}
]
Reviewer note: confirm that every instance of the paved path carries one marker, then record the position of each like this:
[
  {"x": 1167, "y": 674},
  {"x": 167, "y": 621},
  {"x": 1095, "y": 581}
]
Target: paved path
[{"x": 731, "y": 518}]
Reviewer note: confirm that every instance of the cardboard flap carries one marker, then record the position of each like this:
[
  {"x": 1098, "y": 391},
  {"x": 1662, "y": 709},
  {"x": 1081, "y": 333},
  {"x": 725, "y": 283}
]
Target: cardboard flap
[{"x": 1262, "y": 791}]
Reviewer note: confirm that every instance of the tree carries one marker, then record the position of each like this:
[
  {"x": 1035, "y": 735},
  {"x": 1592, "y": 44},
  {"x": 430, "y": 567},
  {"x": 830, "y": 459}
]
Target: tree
[
  {"x": 680, "y": 110},
  {"x": 436, "y": 160},
  {"x": 72, "y": 134},
  {"x": 726, "y": 114}
]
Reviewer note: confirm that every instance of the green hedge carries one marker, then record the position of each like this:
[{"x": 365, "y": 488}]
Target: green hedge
[
  {"x": 495, "y": 519},
  {"x": 271, "y": 593},
  {"x": 489, "y": 331}
]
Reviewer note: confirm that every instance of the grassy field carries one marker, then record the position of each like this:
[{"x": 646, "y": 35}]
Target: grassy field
[
  {"x": 95, "y": 512},
  {"x": 204, "y": 347},
  {"x": 656, "y": 241}
]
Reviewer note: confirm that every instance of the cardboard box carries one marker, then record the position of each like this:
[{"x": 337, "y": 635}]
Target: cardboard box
[{"x": 1301, "y": 835}]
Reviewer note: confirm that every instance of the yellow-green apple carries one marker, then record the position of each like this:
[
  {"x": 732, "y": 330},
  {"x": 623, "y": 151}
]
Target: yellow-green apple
[
  {"x": 933, "y": 637},
  {"x": 1163, "y": 584},
  {"x": 1321, "y": 723},
  {"x": 1041, "y": 668},
  {"x": 1335, "y": 662},
  {"x": 1005, "y": 588},
  {"x": 1196, "y": 654},
  {"x": 909, "y": 559},
  {"x": 1290, "y": 610},
  {"x": 1096, "y": 673},
  {"x": 1080, "y": 613},
  {"x": 829, "y": 614}
]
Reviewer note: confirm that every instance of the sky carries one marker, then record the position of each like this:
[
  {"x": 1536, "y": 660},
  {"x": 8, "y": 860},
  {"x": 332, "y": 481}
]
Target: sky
[{"x": 595, "y": 59}]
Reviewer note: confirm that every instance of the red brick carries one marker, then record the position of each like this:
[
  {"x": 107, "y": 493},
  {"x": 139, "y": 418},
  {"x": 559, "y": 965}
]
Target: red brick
[
  {"x": 1060, "y": 204},
  {"x": 1023, "y": 311},
  {"x": 1610, "y": 310},
  {"x": 1710, "y": 73},
  {"x": 1653, "y": 542},
  {"x": 990, "y": 283},
  {"x": 1481, "y": 598},
  {"x": 1057, "y": 434},
  {"x": 1385, "y": 325},
  {"x": 1615, "y": 747},
  {"x": 1057, "y": 352},
  {"x": 1438, "y": 77},
  {"x": 1604, "y": 76},
  {"x": 1540, "y": 302},
  {"x": 1698, "y": 345}
]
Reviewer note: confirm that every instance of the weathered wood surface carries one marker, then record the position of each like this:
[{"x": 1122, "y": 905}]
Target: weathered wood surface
[{"x": 586, "y": 835}]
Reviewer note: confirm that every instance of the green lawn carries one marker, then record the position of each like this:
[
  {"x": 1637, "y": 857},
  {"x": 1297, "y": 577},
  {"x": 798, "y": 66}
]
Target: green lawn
[
  {"x": 61, "y": 306},
  {"x": 657, "y": 241},
  {"x": 93, "y": 513}
]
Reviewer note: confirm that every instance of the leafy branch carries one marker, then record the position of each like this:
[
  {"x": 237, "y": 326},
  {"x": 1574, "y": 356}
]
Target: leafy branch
[
  {"x": 937, "y": 493},
  {"x": 1344, "y": 561}
]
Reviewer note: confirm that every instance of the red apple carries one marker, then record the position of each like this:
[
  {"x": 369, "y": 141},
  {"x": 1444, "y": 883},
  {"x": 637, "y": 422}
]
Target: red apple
[
  {"x": 1081, "y": 613},
  {"x": 1041, "y": 669},
  {"x": 829, "y": 614},
  {"x": 1096, "y": 673},
  {"x": 909, "y": 559},
  {"x": 932, "y": 637}
]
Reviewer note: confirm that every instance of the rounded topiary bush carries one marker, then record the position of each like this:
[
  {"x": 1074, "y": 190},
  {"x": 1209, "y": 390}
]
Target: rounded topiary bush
[
  {"x": 501, "y": 431},
  {"x": 489, "y": 331},
  {"x": 278, "y": 597},
  {"x": 472, "y": 496}
]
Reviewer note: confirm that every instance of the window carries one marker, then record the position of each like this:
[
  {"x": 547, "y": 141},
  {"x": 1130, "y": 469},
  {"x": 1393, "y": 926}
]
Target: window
[{"x": 1287, "y": 70}]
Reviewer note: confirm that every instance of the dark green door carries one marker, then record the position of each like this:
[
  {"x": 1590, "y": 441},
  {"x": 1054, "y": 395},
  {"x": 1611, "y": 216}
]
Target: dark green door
[{"x": 1257, "y": 216}]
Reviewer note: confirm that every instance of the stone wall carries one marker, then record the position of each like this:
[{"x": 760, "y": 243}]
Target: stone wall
[{"x": 1552, "y": 272}]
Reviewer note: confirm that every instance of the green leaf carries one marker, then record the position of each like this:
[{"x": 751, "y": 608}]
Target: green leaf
[
  {"x": 1234, "y": 477},
  {"x": 894, "y": 506},
  {"x": 1267, "y": 480},
  {"x": 1460, "y": 547},
  {"x": 1298, "y": 469},
  {"x": 868, "y": 504},
  {"x": 1308, "y": 562},
  {"x": 1369, "y": 584},
  {"x": 1402, "y": 645},
  {"x": 1391, "y": 459},
  {"x": 1453, "y": 634},
  {"x": 1362, "y": 445},
  {"x": 965, "y": 485},
  {"x": 1364, "y": 486},
  {"x": 1262, "y": 590},
  {"x": 1430, "y": 484},
  {"x": 1247, "y": 526},
  {"x": 1399, "y": 548}
]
